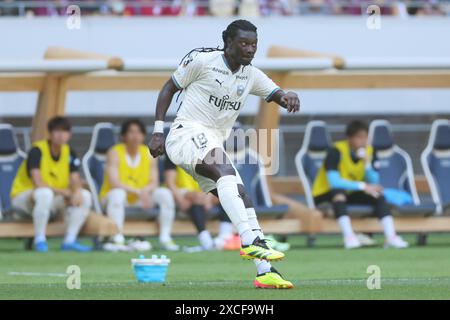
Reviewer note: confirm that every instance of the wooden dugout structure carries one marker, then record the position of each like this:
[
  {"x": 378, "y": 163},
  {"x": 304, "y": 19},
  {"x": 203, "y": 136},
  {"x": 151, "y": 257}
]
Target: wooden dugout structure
[{"x": 64, "y": 70}]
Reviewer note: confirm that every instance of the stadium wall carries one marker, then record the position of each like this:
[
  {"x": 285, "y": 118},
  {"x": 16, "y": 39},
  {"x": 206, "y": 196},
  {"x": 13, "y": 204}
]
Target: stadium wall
[{"x": 173, "y": 37}]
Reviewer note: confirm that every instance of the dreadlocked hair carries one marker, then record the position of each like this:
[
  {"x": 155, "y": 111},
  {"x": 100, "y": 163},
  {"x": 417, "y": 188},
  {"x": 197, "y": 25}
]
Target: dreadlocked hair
[
  {"x": 229, "y": 32},
  {"x": 233, "y": 28}
]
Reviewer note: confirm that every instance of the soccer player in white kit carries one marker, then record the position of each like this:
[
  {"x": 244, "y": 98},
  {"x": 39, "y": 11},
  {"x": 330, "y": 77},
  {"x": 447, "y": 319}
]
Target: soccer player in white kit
[{"x": 217, "y": 83}]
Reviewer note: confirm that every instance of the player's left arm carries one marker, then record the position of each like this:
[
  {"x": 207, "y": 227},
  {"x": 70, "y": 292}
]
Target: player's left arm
[
  {"x": 264, "y": 87},
  {"x": 288, "y": 100}
]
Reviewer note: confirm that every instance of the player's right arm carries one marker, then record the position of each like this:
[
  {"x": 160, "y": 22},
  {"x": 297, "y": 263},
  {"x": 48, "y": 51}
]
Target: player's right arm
[
  {"x": 187, "y": 72},
  {"x": 162, "y": 105}
]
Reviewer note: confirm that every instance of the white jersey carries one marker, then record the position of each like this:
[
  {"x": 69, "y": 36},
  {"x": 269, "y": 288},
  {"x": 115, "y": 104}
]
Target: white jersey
[{"x": 214, "y": 95}]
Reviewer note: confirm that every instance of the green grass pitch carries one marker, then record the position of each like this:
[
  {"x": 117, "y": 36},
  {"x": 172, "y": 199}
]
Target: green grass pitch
[{"x": 325, "y": 272}]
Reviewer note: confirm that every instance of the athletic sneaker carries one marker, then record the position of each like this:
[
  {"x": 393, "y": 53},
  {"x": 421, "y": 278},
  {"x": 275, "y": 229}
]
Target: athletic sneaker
[
  {"x": 232, "y": 243},
  {"x": 75, "y": 246},
  {"x": 41, "y": 246},
  {"x": 277, "y": 245},
  {"x": 139, "y": 245},
  {"x": 396, "y": 242},
  {"x": 116, "y": 247},
  {"x": 272, "y": 280},
  {"x": 365, "y": 241},
  {"x": 169, "y": 246},
  {"x": 260, "y": 250},
  {"x": 351, "y": 242}
]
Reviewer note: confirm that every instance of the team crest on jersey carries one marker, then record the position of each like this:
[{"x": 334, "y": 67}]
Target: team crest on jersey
[{"x": 240, "y": 90}]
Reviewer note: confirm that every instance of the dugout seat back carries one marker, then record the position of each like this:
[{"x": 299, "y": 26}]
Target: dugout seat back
[
  {"x": 10, "y": 159},
  {"x": 435, "y": 161},
  {"x": 93, "y": 162},
  {"x": 395, "y": 166},
  {"x": 311, "y": 155}
]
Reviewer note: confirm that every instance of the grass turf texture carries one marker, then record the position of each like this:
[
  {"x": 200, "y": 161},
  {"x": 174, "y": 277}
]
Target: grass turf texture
[{"x": 325, "y": 272}]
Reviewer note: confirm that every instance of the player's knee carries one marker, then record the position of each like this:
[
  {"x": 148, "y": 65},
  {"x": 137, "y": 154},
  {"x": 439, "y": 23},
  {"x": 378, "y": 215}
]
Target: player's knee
[
  {"x": 215, "y": 171},
  {"x": 87, "y": 199},
  {"x": 339, "y": 197},
  {"x": 43, "y": 196},
  {"x": 117, "y": 196},
  {"x": 245, "y": 197},
  {"x": 164, "y": 197}
]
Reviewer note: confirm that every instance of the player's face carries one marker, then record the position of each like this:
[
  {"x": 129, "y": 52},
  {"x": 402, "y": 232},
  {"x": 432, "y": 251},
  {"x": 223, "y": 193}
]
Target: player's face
[
  {"x": 243, "y": 47},
  {"x": 59, "y": 137},
  {"x": 134, "y": 136},
  {"x": 358, "y": 140}
]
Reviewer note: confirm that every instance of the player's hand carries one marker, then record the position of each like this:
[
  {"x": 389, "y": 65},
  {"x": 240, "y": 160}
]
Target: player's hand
[
  {"x": 76, "y": 198},
  {"x": 373, "y": 190},
  {"x": 157, "y": 144},
  {"x": 145, "y": 199},
  {"x": 291, "y": 101}
]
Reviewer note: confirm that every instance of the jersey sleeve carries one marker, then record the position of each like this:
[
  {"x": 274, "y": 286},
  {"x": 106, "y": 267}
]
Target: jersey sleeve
[
  {"x": 74, "y": 161},
  {"x": 332, "y": 159},
  {"x": 263, "y": 86},
  {"x": 188, "y": 71},
  {"x": 168, "y": 164},
  {"x": 33, "y": 159}
]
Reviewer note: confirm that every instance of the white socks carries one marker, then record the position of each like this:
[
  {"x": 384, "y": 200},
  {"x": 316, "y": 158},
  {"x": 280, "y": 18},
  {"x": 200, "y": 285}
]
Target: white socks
[
  {"x": 225, "y": 230},
  {"x": 164, "y": 198},
  {"x": 115, "y": 208},
  {"x": 234, "y": 207},
  {"x": 387, "y": 223},
  {"x": 205, "y": 239},
  {"x": 262, "y": 266},
  {"x": 117, "y": 200},
  {"x": 76, "y": 216},
  {"x": 43, "y": 198},
  {"x": 346, "y": 226}
]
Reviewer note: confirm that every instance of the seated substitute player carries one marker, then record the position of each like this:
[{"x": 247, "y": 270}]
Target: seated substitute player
[
  {"x": 190, "y": 198},
  {"x": 132, "y": 179},
  {"x": 217, "y": 83},
  {"x": 348, "y": 176},
  {"x": 48, "y": 182}
]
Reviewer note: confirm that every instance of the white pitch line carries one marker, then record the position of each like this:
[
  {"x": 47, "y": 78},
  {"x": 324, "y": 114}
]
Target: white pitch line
[{"x": 37, "y": 274}]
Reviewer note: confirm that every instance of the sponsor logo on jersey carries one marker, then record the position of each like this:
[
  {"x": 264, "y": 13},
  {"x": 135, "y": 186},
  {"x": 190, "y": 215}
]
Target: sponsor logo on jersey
[
  {"x": 224, "y": 103},
  {"x": 220, "y": 71},
  {"x": 240, "y": 90},
  {"x": 241, "y": 77}
]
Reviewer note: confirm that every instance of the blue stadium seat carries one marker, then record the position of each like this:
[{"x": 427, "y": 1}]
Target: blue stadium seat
[
  {"x": 251, "y": 170},
  {"x": 309, "y": 159},
  {"x": 395, "y": 167},
  {"x": 436, "y": 163},
  {"x": 10, "y": 159},
  {"x": 103, "y": 138}
]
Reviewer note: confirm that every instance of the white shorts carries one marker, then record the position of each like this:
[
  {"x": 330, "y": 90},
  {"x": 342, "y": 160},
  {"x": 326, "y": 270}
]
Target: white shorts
[{"x": 187, "y": 143}]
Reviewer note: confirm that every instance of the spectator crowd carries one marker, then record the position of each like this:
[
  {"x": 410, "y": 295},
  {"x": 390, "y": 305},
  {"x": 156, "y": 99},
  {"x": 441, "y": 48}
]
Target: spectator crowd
[{"x": 253, "y": 8}]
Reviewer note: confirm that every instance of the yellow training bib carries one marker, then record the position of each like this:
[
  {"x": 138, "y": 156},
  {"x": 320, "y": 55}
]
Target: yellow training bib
[
  {"x": 348, "y": 169},
  {"x": 136, "y": 177},
  {"x": 185, "y": 181},
  {"x": 53, "y": 173}
]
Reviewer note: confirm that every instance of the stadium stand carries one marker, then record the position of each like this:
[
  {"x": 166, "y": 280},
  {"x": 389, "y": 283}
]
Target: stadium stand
[
  {"x": 436, "y": 164},
  {"x": 395, "y": 167}
]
